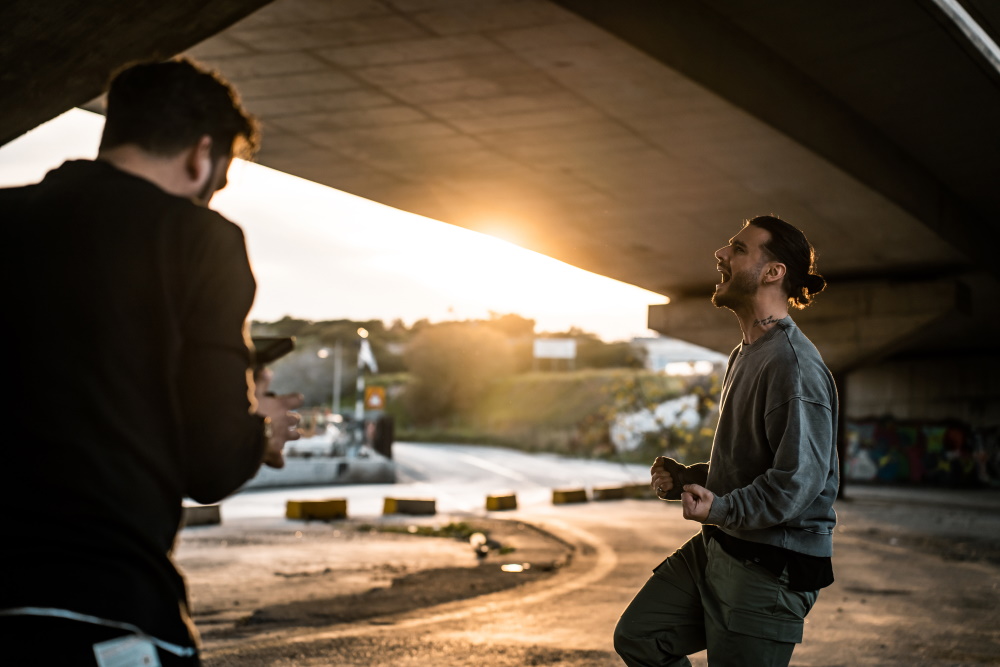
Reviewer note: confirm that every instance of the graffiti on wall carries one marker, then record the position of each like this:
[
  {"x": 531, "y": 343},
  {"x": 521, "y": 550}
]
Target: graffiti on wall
[{"x": 942, "y": 453}]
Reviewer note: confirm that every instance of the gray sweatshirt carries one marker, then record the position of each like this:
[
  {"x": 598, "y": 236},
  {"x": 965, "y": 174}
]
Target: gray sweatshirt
[{"x": 774, "y": 467}]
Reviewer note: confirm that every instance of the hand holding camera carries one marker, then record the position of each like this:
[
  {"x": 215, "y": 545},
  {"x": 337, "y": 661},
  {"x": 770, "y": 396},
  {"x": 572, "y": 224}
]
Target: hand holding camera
[{"x": 283, "y": 423}]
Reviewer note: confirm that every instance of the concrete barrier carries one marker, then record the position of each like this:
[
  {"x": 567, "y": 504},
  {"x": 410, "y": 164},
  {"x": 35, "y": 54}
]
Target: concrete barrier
[
  {"x": 201, "y": 515},
  {"x": 641, "y": 491},
  {"x": 564, "y": 496},
  {"x": 501, "y": 502},
  {"x": 421, "y": 506},
  {"x": 331, "y": 508},
  {"x": 608, "y": 493}
]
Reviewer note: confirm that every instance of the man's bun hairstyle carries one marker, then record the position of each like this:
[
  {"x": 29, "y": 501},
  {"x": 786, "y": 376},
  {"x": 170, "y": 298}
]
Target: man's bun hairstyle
[{"x": 790, "y": 246}]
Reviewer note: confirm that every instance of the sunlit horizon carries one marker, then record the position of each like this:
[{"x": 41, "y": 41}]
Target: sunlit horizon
[{"x": 322, "y": 254}]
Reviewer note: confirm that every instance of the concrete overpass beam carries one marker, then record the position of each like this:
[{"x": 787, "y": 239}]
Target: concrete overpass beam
[
  {"x": 852, "y": 324},
  {"x": 90, "y": 40}
]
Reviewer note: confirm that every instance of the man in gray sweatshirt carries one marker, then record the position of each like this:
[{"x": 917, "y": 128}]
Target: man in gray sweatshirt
[{"x": 741, "y": 588}]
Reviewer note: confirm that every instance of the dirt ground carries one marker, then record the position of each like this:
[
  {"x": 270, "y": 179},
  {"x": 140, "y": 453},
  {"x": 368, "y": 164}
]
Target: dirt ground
[
  {"x": 254, "y": 577},
  {"x": 918, "y": 583}
]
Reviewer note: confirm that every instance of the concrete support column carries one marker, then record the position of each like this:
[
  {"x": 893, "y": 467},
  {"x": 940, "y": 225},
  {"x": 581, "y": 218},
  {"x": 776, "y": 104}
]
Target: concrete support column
[{"x": 840, "y": 379}]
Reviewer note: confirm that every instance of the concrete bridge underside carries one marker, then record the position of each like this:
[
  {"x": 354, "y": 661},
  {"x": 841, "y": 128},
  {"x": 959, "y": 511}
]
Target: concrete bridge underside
[{"x": 627, "y": 138}]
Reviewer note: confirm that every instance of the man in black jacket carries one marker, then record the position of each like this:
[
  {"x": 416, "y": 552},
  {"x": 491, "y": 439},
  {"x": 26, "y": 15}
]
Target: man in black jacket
[{"x": 131, "y": 300}]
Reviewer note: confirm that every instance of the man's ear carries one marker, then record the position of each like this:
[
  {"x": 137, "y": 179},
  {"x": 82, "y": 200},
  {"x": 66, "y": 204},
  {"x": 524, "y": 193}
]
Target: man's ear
[
  {"x": 198, "y": 160},
  {"x": 774, "y": 272}
]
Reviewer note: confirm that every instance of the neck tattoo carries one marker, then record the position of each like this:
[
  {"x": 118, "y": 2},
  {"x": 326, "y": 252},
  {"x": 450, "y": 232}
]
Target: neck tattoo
[{"x": 764, "y": 322}]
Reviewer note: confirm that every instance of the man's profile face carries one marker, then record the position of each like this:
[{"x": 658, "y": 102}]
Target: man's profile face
[{"x": 740, "y": 264}]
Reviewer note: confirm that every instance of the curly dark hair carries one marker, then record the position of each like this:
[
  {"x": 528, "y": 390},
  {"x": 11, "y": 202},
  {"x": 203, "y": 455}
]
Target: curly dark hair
[
  {"x": 164, "y": 107},
  {"x": 790, "y": 246}
]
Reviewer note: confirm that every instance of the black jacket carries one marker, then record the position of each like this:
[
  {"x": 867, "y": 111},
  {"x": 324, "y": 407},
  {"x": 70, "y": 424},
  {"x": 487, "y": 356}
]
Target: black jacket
[{"x": 125, "y": 321}]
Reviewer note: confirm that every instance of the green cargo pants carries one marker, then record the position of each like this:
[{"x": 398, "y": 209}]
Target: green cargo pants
[{"x": 701, "y": 597}]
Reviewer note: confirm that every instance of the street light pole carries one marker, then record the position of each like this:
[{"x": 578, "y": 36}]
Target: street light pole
[
  {"x": 359, "y": 405},
  {"x": 337, "y": 371}
]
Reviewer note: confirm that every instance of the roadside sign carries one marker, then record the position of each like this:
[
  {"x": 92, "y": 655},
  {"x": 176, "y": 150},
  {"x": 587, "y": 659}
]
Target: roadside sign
[
  {"x": 555, "y": 348},
  {"x": 374, "y": 398}
]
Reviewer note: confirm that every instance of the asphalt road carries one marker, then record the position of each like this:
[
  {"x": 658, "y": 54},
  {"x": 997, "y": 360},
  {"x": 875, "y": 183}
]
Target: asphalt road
[
  {"x": 918, "y": 572},
  {"x": 459, "y": 477}
]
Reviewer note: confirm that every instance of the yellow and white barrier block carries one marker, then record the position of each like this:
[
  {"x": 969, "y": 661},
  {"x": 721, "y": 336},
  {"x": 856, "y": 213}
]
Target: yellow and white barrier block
[
  {"x": 332, "y": 508},
  {"x": 609, "y": 493},
  {"x": 421, "y": 506},
  {"x": 500, "y": 502},
  {"x": 564, "y": 496}
]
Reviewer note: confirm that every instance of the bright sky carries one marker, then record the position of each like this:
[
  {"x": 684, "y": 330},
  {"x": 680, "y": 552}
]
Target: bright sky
[{"x": 322, "y": 254}]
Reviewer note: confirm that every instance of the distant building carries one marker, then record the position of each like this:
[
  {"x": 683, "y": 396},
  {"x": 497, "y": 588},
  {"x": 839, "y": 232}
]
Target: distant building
[{"x": 678, "y": 357}]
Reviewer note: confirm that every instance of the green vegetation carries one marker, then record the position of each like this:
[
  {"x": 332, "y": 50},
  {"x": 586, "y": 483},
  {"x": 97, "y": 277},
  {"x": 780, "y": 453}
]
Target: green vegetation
[
  {"x": 478, "y": 537},
  {"x": 570, "y": 413},
  {"x": 459, "y": 530},
  {"x": 451, "y": 367},
  {"x": 473, "y": 382}
]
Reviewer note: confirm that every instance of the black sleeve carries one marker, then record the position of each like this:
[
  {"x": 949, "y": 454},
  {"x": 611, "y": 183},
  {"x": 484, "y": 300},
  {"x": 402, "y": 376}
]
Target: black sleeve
[
  {"x": 696, "y": 473},
  {"x": 223, "y": 442}
]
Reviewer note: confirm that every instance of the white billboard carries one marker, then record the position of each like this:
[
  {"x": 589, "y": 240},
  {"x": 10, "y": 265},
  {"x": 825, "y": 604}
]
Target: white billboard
[{"x": 555, "y": 348}]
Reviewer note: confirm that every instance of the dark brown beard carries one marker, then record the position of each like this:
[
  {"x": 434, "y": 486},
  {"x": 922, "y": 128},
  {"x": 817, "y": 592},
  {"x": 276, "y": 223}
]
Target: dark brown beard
[{"x": 741, "y": 288}]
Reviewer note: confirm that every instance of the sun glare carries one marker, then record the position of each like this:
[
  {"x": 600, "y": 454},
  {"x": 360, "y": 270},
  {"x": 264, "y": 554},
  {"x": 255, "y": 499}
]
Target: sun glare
[
  {"x": 445, "y": 272},
  {"x": 500, "y": 230}
]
